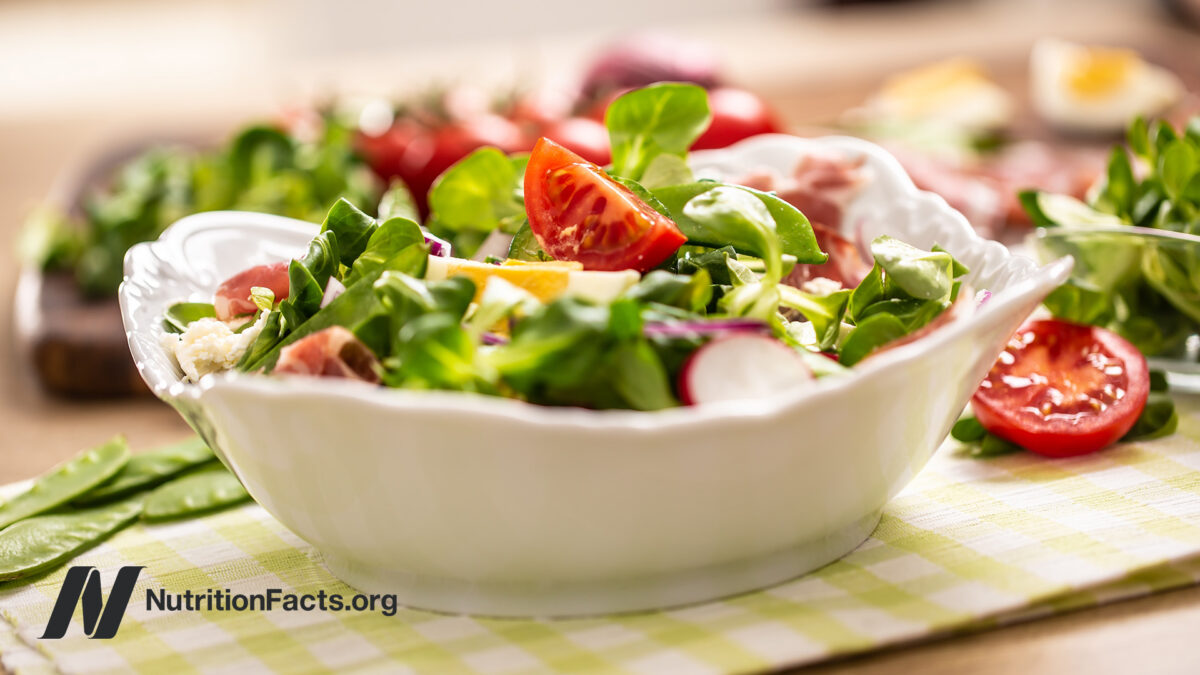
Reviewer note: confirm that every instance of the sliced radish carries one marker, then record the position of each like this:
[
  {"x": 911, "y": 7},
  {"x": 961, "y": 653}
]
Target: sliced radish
[{"x": 740, "y": 367}]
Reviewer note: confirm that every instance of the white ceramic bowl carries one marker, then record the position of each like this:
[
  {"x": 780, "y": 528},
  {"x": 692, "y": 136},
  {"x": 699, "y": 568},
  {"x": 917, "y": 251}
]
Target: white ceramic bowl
[{"x": 466, "y": 503}]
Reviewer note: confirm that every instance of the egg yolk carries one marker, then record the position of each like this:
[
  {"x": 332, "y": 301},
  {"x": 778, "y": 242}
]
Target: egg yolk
[
  {"x": 933, "y": 79},
  {"x": 1098, "y": 72}
]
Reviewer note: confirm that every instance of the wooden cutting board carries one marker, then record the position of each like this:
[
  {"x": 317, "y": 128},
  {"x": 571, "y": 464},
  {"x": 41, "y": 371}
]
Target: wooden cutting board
[{"x": 76, "y": 345}]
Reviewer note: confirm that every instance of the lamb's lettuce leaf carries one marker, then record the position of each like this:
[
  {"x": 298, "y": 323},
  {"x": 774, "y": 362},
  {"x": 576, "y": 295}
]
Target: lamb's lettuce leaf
[
  {"x": 905, "y": 290},
  {"x": 481, "y": 192},
  {"x": 308, "y": 277},
  {"x": 1148, "y": 290},
  {"x": 795, "y": 233},
  {"x": 389, "y": 247},
  {"x": 179, "y": 315},
  {"x": 661, "y": 119},
  {"x": 688, "y": 292},
  {"x": 351, "y": 227}
]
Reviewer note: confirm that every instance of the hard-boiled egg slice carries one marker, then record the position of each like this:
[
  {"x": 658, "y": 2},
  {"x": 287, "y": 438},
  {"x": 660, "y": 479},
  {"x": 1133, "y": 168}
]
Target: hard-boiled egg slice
[
  {"x": 954, "y": 93},
  {"x": 545, "y": 280},
  {"x": 1097, "y": 89}
]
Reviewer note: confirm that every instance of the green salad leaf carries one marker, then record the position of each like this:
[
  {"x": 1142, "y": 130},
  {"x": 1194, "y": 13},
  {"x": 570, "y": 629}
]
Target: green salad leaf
[
  {"x": 499, "y": 338},
  {"x": 179, "y": 315},
  {"x": 731, "y": 215},
  {"x": 661, "y": 119},
  {"x": 525, "y": 246},
  {"x": 436, "y": 352},
  {"x": 394, "y": 238},
  {"x": 905, "y": 290},
  {"x": 692, "y": 292},
  {"x": 262, "y": 168},
  {"x": 351, "y": 229},
  {"x": 576, "y": 353},
  {"x": 480, "y": 193},
  {"x": 308, "y": 276},
  {"x": 796, "y": 237},
  {"x": 825, "y": 312},
  {"x": 398, "y": 202},
  {"x": 1146, "y": 289}
]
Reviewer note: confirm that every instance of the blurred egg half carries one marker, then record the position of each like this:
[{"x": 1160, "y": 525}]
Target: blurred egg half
[
  {"x": 955, "y": 94},
  {"x": 1097, "y": 89}
]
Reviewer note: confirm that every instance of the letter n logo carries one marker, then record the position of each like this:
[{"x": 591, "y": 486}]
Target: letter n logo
[{"x": 82, "y": 586}]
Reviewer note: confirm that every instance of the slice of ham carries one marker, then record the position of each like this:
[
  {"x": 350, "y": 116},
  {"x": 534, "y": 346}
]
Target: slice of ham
[
  {"x": 1032, "y": 165},
  {"x": 846, "y": 265},
  {"x": 232, "y": 298},
  {"x": 821, "y": 185},
  {"x": 985, "y": 190},
  {"x": 333, "y": 352}
]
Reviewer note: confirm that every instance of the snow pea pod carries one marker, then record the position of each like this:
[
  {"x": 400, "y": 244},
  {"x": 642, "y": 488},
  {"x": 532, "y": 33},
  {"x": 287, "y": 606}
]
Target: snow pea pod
[
  {"x": 149, "y": 469},
  {"x": 42, "y": 542},
  {"x": 206, "y": 489},
  {"x": 69, "y": 480}
]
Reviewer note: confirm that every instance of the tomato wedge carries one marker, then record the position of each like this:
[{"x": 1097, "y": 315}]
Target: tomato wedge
[
  {"x": 577, "y": 212},
  {"x": 1062, "y": 389},
  {"x": 232, "y": 298}
]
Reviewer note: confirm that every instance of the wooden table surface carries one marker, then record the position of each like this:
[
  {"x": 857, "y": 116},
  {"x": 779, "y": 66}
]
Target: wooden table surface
[{"x": 811, "y": 65}]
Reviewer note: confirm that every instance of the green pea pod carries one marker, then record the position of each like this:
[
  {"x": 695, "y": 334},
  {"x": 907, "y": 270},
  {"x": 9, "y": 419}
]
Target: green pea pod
[
  {"x": 149, "y": 469},
  {"x": 206, "y": 489},
  {"x": 40, "y": 543},
  {"x": 68, "y": 481}
]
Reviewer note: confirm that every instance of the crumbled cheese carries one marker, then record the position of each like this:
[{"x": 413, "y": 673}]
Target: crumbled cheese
[
  {"x": 820, "y": 286},
  {"x": 209, "y": 345},
  {"x": 805, "y": 334}
]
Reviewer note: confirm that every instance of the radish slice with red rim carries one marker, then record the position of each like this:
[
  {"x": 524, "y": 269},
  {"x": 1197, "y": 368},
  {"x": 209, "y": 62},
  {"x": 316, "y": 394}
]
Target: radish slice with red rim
[{"x": 742, "y": 367}]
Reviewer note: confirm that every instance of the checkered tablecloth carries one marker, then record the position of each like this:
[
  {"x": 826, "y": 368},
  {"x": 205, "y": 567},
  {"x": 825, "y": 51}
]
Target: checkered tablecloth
[{"x": 971, "y": 543}]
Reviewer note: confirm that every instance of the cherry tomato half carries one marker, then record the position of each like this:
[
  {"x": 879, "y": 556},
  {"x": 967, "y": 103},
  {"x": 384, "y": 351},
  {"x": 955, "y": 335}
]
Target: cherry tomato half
[
  {"x": 232, "y": 298},
  {"x": 736, "y": 114},
  {"x": 1062, "y": 389},
  {"x": 577, "y": 212}
]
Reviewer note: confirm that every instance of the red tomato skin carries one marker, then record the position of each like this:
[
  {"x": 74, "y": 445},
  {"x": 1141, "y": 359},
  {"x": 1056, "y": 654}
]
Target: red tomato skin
[
  {"x": 582, "y": 135},
  {"x": 551, "y": 162},
  {"x": 417, "y": 154},
  {"x": 736, "y": 114},
  {"x": 232, "y": 298},
  {"x": 538, "y": 109},
  {"x": 999, "y": 416},
  {"x": 385, "y": 153}
]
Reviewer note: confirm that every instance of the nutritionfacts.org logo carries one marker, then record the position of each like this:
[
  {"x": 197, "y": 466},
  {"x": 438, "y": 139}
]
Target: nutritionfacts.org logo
[
  {"x": 101, "y": 619},
  {"x": 82, "y": 586}
]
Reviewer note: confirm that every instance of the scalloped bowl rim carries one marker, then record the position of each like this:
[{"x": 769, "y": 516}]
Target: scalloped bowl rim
[
  {"x": 171, "y": 387},
  {"x": 1064, "y": 231}
]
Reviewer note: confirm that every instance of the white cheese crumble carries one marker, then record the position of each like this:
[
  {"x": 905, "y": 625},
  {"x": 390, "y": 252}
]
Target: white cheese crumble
[
  {"x": 209, "y": 345},
  {"x": 820, "y": 286}
]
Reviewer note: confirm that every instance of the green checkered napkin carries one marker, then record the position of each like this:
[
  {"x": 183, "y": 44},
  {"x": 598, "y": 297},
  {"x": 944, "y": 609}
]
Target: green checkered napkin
[{"x": 969, "y": 544}]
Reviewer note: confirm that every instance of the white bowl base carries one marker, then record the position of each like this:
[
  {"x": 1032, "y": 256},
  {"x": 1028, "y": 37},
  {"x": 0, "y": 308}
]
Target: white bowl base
[{"x": 604, "y": 596}]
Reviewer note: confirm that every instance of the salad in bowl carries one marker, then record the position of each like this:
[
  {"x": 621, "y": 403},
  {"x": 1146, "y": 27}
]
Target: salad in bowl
[{"x": 655, "y": 384}]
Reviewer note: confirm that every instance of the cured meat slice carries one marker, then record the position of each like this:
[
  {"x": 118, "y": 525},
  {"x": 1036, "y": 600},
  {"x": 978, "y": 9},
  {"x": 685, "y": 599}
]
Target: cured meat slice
[
  {"x": 333, "y": 352},
  {"x": 232, "y": 298}
]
